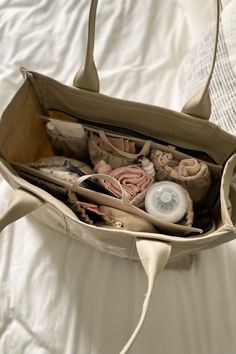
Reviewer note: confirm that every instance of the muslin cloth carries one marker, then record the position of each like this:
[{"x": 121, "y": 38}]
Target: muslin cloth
[
  {"x": 194, "y": 175},
  {"x": 120, "y": 143},
  {"x": 132, "y": 178},
  {"x": 99, "y": 150}
]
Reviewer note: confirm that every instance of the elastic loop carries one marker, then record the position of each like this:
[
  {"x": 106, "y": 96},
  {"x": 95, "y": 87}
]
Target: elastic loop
[{"x": 143, "y": 152}]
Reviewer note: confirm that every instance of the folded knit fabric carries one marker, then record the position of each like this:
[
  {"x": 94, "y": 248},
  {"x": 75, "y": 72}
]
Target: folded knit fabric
[
  {"x": 132, "y": 178},
  {"x": 192, "y": 174}
]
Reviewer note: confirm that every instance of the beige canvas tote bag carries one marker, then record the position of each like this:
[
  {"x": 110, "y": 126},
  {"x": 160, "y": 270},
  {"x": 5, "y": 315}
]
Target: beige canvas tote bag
[{"x": 23, "y": 139}]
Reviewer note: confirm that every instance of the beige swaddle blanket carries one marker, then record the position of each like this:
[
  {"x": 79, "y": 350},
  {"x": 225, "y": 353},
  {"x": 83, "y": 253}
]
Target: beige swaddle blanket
[{"x": 194, "y": 175}]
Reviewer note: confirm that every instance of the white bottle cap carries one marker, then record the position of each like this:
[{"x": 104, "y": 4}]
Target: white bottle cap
[{"x": 167, "y": 201}]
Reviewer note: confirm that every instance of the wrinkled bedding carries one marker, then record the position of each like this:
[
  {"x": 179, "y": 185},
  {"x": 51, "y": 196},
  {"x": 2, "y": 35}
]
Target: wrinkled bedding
[{"x": 58, "y": 296}]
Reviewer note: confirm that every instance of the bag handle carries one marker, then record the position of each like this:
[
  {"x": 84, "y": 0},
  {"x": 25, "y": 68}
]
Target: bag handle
[
  {"x": 200, "y": 104},
  {"x": 143, "y": 152},
  {"x": 21, "y": 204},
  {"x": 153, "y": 255},
  {"x": 87, "y": 77},
  {"x": 124, "y": 194}
]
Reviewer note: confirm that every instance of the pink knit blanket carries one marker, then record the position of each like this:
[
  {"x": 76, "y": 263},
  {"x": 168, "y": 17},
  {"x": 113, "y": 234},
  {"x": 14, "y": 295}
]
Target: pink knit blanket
[{"x": 132, "y": 178}]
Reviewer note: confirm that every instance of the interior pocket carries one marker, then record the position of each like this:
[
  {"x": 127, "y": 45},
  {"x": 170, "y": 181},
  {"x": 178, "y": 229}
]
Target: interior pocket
[
  {"x": 69, "y": 146},
  {"x": 102, "y": 199},
  {"x": 228, "y": 192}
]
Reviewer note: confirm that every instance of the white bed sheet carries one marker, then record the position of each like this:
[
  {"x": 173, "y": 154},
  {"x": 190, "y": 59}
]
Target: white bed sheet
[{"x": 59, "y": 296}]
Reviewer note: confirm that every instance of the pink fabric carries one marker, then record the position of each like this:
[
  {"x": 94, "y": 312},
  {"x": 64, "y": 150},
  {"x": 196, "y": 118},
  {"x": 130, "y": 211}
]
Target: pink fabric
[
  {"x": 132, "y": 178},
  {"x": 91, "y": 207}
]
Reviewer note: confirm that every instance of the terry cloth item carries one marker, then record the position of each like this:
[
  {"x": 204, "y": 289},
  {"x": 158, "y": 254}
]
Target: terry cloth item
[{"x": 192, "y": 174}]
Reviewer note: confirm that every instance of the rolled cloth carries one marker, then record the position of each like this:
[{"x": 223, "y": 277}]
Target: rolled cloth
[
  {"x": 132, "y": 178},
  {"x": 194, "y": 175}
]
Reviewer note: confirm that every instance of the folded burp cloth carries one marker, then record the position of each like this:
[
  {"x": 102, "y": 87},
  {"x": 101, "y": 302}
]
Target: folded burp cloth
[{"x": 132, "y": 178}]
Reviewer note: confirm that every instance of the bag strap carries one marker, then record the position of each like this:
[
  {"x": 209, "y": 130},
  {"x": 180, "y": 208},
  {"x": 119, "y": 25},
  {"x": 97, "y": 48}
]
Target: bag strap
[
  {"x": 143, "y": 152},
  {"x": 21, "y": 204},
  {"x": 87, "y": 77},
  {"x": 200, "y": 104},
  {"x": 153, "y": 255}
]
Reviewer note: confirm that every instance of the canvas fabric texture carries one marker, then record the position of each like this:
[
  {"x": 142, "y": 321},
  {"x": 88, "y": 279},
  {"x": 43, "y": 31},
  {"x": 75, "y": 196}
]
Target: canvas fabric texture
[{"x": 189, "y": 129}]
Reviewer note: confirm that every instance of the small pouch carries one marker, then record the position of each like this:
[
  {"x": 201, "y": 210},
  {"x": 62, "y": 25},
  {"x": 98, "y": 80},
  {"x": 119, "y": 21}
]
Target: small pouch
[
  {"x": 119, "y": 219},
  {"x": 65, "y": 145},
  {"x": 55, "y": 167},
  {"x": 116, "y": 152},
  {"x": 192, "y": 174}
]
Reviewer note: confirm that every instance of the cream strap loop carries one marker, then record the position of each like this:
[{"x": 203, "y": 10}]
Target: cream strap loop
[
  {"x": 21, "y": 204},
  {"x": 153, "y": 255},
  {"x": 200, "y": 104},
  {"x": 143, "y": 152},
  {"x": 87, "y": 77},
  {"x": 124, "y": 197}
]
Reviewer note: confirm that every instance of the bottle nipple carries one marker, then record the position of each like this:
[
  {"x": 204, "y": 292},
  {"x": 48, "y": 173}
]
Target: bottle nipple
[{"x": 166, "y": 201}]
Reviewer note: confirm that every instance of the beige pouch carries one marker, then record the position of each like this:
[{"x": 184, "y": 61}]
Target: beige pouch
[
  {"x": 54, "y": 166},
  {"x": 123, "y": 220},
  {"x": 68, "y": 145}
]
